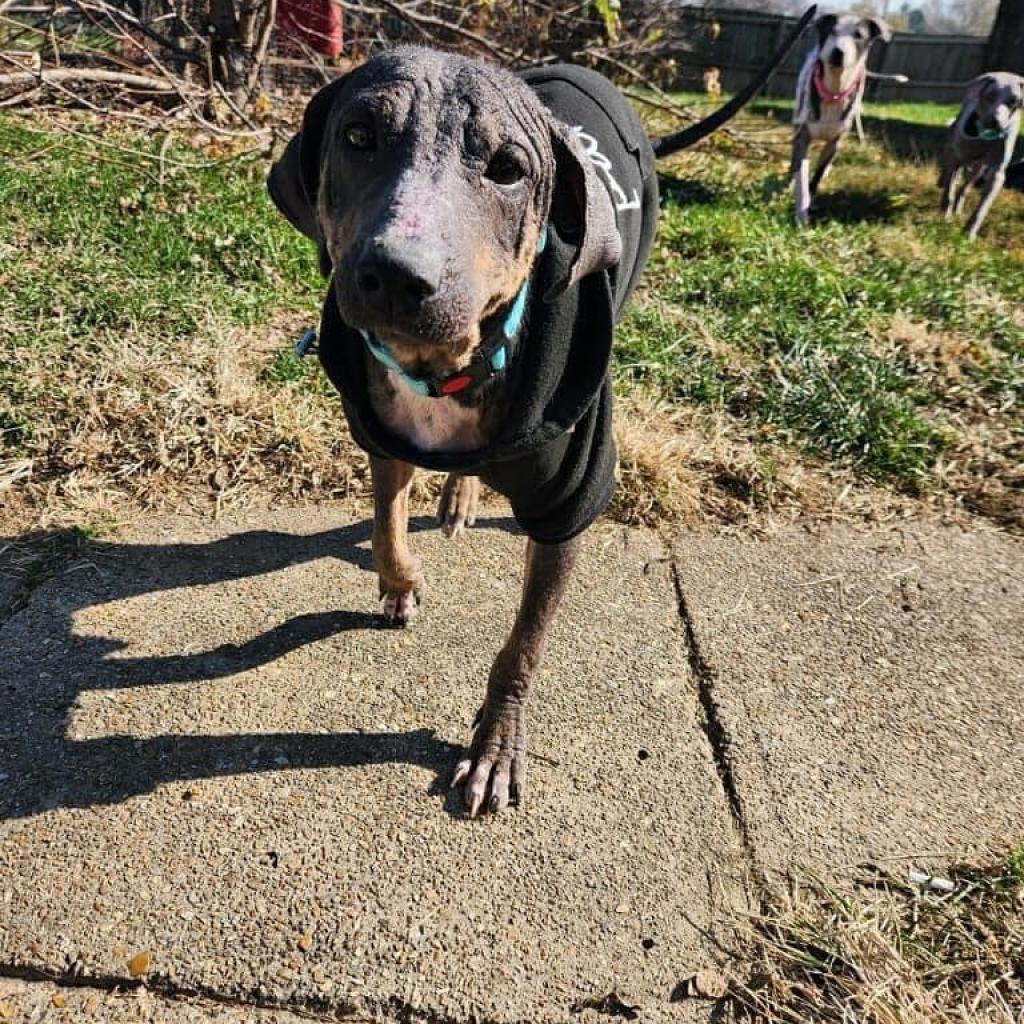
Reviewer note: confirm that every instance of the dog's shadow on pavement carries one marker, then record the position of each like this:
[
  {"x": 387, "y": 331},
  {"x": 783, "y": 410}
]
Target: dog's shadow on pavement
[{"x": 41, "y": 677}]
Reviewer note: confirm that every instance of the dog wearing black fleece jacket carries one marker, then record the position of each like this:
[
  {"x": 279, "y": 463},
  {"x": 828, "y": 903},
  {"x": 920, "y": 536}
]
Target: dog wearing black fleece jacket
[{"x": 482, "y": 232}]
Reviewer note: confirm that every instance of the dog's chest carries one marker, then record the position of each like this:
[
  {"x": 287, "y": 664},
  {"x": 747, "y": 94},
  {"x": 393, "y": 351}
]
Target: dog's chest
[
  {"x": 830, "y": 125},
  {"x": 429, "y": 424},
  {"x": 825, "y": 121}
]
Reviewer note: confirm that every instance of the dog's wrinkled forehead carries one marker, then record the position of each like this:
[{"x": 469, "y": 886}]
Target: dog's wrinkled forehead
[{"x": 441, "y": 102}]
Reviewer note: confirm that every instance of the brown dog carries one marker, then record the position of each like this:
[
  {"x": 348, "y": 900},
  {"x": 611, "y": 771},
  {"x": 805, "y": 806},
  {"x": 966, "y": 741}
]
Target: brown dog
[{"x": 484, "y": 231}]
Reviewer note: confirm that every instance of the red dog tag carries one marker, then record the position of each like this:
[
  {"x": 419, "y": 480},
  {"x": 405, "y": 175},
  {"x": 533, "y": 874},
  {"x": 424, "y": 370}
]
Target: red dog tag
[{"x": 449, "y": 387}]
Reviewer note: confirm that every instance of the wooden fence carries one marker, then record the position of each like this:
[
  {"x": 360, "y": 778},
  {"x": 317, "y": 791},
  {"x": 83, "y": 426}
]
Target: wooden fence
[{"x": 938, "y": 66}]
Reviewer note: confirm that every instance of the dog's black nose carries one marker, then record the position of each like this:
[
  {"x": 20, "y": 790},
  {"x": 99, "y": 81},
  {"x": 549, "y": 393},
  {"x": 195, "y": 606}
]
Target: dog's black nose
[
  {"x": 397, "y": 280},
  {"x": 835, "y": 58}
]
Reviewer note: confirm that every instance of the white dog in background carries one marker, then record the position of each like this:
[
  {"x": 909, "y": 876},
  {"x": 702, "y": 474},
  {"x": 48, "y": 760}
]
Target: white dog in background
[{"x": 829, "y": 94}]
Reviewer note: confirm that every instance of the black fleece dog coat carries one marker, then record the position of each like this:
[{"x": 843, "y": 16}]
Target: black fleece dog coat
[{"x": 554, "y": 458}]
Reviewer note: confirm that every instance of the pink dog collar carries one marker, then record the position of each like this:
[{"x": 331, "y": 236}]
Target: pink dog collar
[{"x": 826, "y": 94}]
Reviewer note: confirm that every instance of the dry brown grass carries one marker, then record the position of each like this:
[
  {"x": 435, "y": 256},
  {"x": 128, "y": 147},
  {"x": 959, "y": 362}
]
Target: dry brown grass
[
  {"x": 196, "y": 423},
  {"x": 890, "y": 952},
  {"x": 200, "y": 424},
  {"x": 687, "y": 465},
  {"x": 984, "y": 465}
]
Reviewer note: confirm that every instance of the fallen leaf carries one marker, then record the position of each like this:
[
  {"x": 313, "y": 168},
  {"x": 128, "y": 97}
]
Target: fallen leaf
[
  {"x": 708, "y": 983},
  {"x": 306, "y": 943},
  {"x": 6, "y": 1011},
  {"x": 59, "y": 1000},
  {"x": 139, "y": 964}
]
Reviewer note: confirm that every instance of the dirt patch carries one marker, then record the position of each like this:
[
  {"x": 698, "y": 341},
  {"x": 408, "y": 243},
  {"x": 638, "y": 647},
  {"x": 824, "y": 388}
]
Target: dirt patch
[{"x": 939, "y": 354}]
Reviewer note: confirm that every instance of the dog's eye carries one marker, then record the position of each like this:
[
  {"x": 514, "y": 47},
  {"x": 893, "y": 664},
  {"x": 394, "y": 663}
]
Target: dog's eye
[
  {"x": 505, "y": 169},
  {"x": 360, "y": 136}
]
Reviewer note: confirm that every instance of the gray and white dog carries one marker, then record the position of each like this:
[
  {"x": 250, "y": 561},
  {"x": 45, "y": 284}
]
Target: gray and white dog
[
  {"x": 980, "y": 143},
  {"x": 829, "y": 94}
]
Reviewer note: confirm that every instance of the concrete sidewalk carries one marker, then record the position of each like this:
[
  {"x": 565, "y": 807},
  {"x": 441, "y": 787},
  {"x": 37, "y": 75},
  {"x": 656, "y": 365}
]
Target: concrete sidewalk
[
  {"x": 869, "y": 690},
  {"x": 211, "y": 753}
]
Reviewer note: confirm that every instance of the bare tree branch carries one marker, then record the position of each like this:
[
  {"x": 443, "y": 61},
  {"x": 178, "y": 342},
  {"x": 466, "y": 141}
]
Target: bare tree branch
[{"x": 58, "y": 76}]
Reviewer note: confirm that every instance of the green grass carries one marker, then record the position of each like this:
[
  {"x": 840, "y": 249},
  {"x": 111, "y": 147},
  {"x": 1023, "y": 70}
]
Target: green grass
[
  {"x": 802, "y": 317},
  {"x": 889, "y": 110},
  {"x": 104, "y": 241},
  {"x": 879, "y": 341},
  {"x": 113, "y": 245}
]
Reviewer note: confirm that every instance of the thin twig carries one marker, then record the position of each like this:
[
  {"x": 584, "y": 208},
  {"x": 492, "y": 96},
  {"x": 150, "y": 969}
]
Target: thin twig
[
  {"x": 55, "y": 76},
  {"x": 262, "y": 44}
]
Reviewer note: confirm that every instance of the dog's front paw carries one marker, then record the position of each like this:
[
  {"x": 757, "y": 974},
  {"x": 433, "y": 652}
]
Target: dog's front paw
[
  {"x": 493, "y": 773},
  {"x": 399, "y": 607},
  {"x": 400, "y": 600},
  {"x": 457, "y": 508}
]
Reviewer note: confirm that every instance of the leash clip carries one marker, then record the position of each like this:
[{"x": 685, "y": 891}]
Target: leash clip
[{"x": 306, "y": 344}]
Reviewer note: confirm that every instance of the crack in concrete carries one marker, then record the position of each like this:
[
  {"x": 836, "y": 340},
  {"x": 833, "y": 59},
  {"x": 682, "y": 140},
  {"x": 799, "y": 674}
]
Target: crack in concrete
[
  {"x": 713, "y": 727},
  {"x": 169, "y": 991},
  {"x": 397, "y": 1010}
]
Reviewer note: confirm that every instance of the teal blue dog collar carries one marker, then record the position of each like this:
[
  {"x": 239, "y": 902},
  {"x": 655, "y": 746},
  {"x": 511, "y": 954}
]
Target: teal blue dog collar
[{"x": 486, "y": 362}]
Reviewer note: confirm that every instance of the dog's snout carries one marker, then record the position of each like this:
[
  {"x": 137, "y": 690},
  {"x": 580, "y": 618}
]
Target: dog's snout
[
  {"x": 835, "y": 58},
  {"x": 397, "y": 280}
]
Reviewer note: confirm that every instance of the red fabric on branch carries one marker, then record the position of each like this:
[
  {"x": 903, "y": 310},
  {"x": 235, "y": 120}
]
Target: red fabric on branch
[{"x": 317, "y": 23}]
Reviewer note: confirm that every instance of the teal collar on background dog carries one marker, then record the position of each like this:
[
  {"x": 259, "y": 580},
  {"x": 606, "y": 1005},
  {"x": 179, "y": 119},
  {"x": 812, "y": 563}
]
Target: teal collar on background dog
[
  {"x": 981, "y": 134},
  {"x": 486, "y": 362}
]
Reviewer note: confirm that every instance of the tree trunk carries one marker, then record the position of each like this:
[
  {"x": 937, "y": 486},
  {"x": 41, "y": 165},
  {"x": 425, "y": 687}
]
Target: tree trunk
[
  {"x": 1006, "y": 44},
  {"x": 239, "y": 31}
]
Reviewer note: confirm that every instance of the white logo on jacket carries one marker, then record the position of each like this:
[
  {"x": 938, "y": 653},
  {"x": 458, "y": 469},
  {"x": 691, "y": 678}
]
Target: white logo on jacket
[{"x": 620, "y": 200}]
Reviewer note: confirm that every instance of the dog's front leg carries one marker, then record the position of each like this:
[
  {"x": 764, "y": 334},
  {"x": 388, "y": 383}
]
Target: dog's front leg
[
  {"x": 993, "y": 186},
  {"x": 800, "y": 168},
  {"x": 398, "y": 571},
  {"x": 947, "y": 184},
  {"x": 494, "y": 771},
  {"x": 971, "y": 174},
  {"x": 828, "y": 155}
]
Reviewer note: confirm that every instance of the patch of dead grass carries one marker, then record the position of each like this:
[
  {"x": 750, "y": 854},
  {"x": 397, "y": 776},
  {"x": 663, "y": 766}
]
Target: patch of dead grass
[
  {"x": 890, "y": 951},
  {"x": 190, "y": 422},
  {"x": 941, "y": 352},
  {"x": 696, "y": 467},
  {"x": 135, "y": 427}
]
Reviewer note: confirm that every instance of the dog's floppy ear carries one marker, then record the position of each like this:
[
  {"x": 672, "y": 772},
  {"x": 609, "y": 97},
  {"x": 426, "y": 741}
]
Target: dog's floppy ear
[
  {"x": 824, "y": 26},
  {"x": 879, "y": 28},
  {"x": 977, "y": 86},
  {"x": 581, "y": 209},
  {"x": 294, "y": 180}
]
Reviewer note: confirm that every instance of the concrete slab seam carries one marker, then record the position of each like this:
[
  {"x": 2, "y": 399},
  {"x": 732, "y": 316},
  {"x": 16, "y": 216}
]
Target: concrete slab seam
[
  {"x": 163, "y": 988},
  {"x": 713, "y": 727}
]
